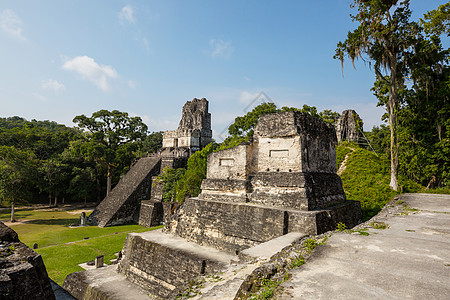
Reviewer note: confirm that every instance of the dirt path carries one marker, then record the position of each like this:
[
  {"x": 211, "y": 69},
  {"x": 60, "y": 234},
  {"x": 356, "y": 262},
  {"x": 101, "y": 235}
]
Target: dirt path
[
  {"x": 408, "y": 260},
  {"x": 344, "y": 162}
]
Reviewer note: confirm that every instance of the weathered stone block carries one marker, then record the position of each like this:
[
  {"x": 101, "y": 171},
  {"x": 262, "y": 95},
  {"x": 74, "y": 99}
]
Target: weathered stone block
[
  {"x": 22, "y": 271},
  {"x": 151, "y": 213}
]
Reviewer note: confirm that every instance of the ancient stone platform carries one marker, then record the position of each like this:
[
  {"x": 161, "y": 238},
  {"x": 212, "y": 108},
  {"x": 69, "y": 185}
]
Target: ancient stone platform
[
  {"x": 153, "y": 262},
  {"x": 283, "y": 182},
  {"x": 122, "y": 204},
  {"x": 236, "y": 226}
]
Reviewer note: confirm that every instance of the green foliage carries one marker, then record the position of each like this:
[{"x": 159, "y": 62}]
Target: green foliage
[
  {"x": 189, "y": 184},
  {"x": 383, "y": 37},
  {"x": 379, "y": 139},
  {"x": 297, "y": 262},
  {"x": 437, "y": 21},
  {"x": 329, "y": 116},
  {"x": 310, "y": 244},
  {"x": 230, "y": 142},
  {"x": 341, "y": 227},
  {"x": 112, "y": 140},
  {"x": 152, "y": 142},
  {"x": 169, "y": 178},
  {"x": 17, "y": 170},
  {"x": 243, "y": 126},
  {"x": 379, "y": 225}
]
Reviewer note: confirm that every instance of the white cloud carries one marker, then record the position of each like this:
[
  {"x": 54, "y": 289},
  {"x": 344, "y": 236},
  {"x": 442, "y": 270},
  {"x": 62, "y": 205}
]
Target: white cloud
[
  {"x": 132, "y": 84},
  {"x": 126, "y": 15},
  {"x": 146, "y": 44},
  {"x": 40, "y": 97},
  {"x": 220, "y": 48},
  {"x": 54, "y": 85},
  {"x": 100, "y": 75},
  {"x": 11, "y": 24}
]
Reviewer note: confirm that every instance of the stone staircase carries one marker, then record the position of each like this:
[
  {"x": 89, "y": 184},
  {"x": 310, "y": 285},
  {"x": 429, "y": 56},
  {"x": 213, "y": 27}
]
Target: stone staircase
[{"x": 122, "y": 204}]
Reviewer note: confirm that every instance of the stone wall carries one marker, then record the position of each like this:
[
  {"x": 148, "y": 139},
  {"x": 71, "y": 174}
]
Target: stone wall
[
  {"x": 151, "y": 213},
  {"x": 159, "y": 267},
  {"x": 237, "y": 226},
  {"x": 22, "y": 271}
]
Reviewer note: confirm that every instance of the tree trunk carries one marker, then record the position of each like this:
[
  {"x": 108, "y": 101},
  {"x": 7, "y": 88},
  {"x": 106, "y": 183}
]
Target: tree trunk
[
  {"x": 56, "y": 201},
  {"x": 49, "y": 199},
  {"x": 108, "y": 181},
  {"x": 13, "y": 217},
  {"x": 85, "y": 201},
  {"x": 99, "y": 189},
  {"x": 392, "y": 110}
]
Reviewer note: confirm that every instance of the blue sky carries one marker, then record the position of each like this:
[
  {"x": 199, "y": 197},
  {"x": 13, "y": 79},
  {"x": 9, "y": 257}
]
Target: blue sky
[{"x": 60, "y": 59}]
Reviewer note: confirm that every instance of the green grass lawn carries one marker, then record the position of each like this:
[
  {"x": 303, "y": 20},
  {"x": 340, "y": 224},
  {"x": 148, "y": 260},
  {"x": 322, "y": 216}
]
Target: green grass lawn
[{"x": 62, "y": 247}]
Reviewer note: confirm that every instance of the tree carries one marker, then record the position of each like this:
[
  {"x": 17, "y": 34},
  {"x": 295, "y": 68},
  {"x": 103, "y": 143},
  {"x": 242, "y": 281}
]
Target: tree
[
  {"x": 16, "y": 171},
  {"x": 113, "y": 136},
  {"x": 82, "y": 183},
  {"x": 383, "y": 37},
  {"x": 152, "y": 142},
  {"x": 169, "y": 178},
  {"x": 189, "y": 184},
  {"x": 243, "y": 126},
  {"x": 437, "y": 21}
]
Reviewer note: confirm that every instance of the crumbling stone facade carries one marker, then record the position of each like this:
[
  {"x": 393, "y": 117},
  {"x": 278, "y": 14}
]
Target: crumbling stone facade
[
  {"x": 22, "y": 271},
  {"x": 193, "y": 133},
  {"x": 283, "y": 180},
  {"x": 349, "y": 127}
]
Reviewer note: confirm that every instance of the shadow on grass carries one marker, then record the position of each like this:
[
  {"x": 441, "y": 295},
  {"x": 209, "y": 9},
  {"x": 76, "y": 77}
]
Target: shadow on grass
[{"x": 54, "y": 221}]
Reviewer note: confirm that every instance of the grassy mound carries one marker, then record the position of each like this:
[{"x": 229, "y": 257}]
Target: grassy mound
[{"x": 366, "y": 179}]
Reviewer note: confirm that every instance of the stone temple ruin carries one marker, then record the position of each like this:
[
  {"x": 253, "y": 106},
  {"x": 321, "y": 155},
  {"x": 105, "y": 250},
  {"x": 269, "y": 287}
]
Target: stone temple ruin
[
  {"x": 281, "y": 182},
  {"x": 137, "y": 198},
  {"x": 349, "y": 127},
  {"x": 193, "y": 133}
]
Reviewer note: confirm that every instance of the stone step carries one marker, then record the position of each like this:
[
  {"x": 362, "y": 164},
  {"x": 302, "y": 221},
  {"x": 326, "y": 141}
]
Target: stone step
[
  {"x": 121, "y": 206},
  {"x": 268, "y": 249},
  {"x": 103, "y": 283},
  {"x": 160, "y": 263}
]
